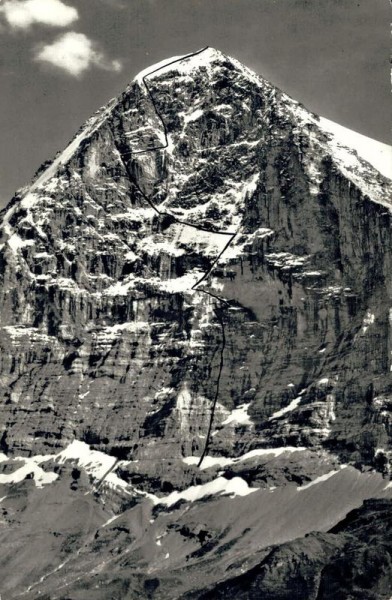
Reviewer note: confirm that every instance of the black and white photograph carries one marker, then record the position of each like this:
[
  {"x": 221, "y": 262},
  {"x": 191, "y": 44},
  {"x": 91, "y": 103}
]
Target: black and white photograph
[{"x": 195, "y": 300}]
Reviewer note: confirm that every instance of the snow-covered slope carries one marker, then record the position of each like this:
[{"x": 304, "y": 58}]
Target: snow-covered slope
[{"x": 376, "y": 153}]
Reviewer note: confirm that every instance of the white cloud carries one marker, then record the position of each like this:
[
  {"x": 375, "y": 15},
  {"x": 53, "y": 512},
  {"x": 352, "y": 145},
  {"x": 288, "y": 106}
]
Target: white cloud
[
  {"x": 75, "y": 53},
  {"x": 22, "y": 14}
]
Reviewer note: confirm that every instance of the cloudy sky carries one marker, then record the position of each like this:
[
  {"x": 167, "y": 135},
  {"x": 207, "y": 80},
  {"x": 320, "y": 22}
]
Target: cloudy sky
[{"x": 61, "y": 60}]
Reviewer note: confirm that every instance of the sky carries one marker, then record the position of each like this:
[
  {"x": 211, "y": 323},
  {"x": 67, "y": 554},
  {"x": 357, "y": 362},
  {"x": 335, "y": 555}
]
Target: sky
[{"x": 60, "y": 60}]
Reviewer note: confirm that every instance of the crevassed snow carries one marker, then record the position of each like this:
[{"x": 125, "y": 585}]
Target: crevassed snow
[
  {"x": 289, "y": 408},
  {"x": 376, "y": 153},
  {"x": 239, "y": 416}
]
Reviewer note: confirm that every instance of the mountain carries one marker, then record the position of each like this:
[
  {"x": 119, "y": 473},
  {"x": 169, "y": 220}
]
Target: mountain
[{"x": 196, "y": 350}]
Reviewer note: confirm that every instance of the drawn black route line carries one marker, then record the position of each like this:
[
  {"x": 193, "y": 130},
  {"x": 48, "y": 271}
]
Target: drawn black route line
[
  {"x": 110, "y": 470},
  {"x": 221, "y": 363},
  {"x": 208, "y": 272},
  {"x": 175, "y": 219},
  {"x": 144, "y": 78},
  {"x": 166, "y": 144}
]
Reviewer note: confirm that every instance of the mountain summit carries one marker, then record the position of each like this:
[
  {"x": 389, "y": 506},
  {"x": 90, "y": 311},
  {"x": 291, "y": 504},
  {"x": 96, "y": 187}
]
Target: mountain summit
[{"x": 195, "y": 335}]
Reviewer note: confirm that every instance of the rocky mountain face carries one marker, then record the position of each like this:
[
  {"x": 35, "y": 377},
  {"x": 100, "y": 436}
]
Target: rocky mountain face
[{"x": 196, "y": 349}]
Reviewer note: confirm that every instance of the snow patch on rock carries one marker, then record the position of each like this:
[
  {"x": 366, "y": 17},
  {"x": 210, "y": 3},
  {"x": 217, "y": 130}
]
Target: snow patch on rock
[
  {"x": 30, "y": 467},
  {"x": 239, "y": 416},
  {"x": 289, "y": 408},
  {"x": 219, "y": 486},
  {"x": 213, "y": 461}
]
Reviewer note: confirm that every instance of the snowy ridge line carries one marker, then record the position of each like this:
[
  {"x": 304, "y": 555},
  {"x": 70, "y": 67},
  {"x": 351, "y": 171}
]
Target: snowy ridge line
[
  {"x": 29, "y": 197},
  {"x": 376, "y": 153},
  {"x": 144, "y": 77}
]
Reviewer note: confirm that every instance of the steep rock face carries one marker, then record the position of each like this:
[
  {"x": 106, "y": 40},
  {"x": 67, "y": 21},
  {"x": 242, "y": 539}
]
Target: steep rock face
[
  {"x": 103, "y": 253},
  {"x": 197, "y": 291}
]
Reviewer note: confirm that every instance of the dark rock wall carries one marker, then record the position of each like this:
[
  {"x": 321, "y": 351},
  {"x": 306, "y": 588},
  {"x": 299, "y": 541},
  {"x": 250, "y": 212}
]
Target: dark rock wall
[{"x": 134, "y": 370}]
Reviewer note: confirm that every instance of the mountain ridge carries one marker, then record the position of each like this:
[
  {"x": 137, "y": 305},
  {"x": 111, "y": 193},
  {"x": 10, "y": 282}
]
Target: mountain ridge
[
  {"x": 177, "y": 386},
  {"x": 380, "y": 152}
]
